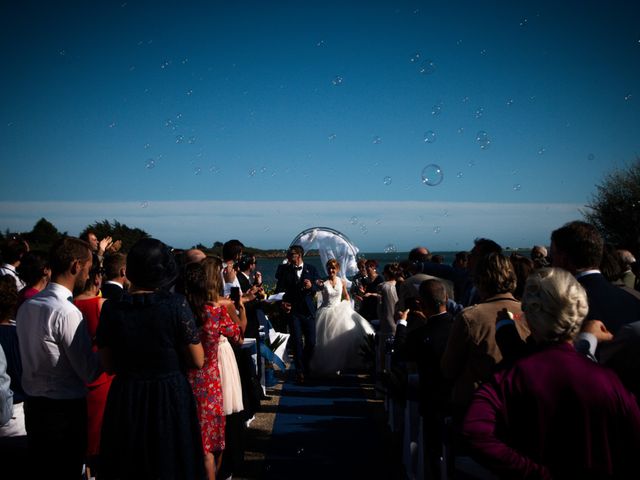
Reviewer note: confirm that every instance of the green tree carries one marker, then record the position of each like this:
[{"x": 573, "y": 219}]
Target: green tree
[
  {"x": 42, "y": 235},
  {"x": 615, "y": 207},
  {"x": 118, "y": 231}
]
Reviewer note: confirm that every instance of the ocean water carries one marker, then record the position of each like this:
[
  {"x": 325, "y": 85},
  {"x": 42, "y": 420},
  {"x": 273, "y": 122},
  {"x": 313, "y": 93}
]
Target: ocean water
[{"x": 268, "y": 266}]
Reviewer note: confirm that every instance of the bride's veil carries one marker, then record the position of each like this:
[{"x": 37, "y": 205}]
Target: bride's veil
[{"x": 331, "y": 244}]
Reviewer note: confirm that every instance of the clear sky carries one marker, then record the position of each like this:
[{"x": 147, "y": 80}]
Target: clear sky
[{"x": 204, "y": 121}]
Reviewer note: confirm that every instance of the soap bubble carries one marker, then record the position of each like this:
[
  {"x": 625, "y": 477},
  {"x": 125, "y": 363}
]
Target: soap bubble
[
  {"x": 523, "y": 21},
  {"x": 479, "y": 112},
  {"x": 192, "y": 140},
  {"x": 189, "y": 92},
  {"x": 427, "y": 67},
  {"x": 320, "y": 43},
  {"x": 465, "y": 99},
  {"x": 461, "y": 130},
  {"x": 149, "y": 164},
  {"x": 415, "y": 57},
  {"x": 390, "y": 248},
  {"x": 483, "y": 139},
  {"x": 387, "y": 180},
  {"x": 252, "y": 172},
  {"x": 459, "y": 175},
  {"x": 179, "y": 138},
  {"x": 628, "y": 97},
  {"x": 214, "y": 169},
  {"x": 429, "y": 136},
  {"x": 144, "y": 204},
  {"x": 377, "y": 140},
  {"x": 436, "y": 110},
  {"x": 147, "y": 146},
  {"x": 591, "y": 157},
  {"x": 509, "y": 102},
  {"x": 353, "y": 220},
  {"x": 197, "y": 170},
  {"x": 517, "y": 187},
  {"x": 112, "y": 125},
  {"x": 541, "y": 150},
  {"x": 364, "y": 229},
  {"x": 337, "y": 80},
  {"x": 432, "y": 175},
  {"x": 483, "y": 51},
  {"x": 436, "y": 229},
  {"x": 332, "y": 136}
]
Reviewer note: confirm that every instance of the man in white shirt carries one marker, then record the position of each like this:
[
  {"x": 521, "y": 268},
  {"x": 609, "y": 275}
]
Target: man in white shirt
[
  {"x": 57, "y": 362},
  {"x": 12, "y": 252}
]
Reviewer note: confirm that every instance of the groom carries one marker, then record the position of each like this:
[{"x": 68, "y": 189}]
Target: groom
[{"x": 298, "y": 282}]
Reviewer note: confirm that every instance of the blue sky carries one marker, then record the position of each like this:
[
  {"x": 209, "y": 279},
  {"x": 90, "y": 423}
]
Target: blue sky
[{"x": 203, "y": 121}]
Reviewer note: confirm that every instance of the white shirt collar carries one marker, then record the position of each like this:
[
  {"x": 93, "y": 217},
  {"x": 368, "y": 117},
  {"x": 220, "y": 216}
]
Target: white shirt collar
[
  {"x": 59, "y": 291},
  {"x": 584, "y": 273}
]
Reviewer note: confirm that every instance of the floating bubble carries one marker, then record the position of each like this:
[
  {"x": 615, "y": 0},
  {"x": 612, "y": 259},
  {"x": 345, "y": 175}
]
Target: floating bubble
[
  {"x": 263, "y": 169},
  {"x": 144, "y": 204},
  {"x": 628, "y": 97},
  {"x": 320, "y": 43},
  {"x": 179, "y": 138},
  {"x": 509, "y": 102},
  {"x": 364, "y": 229},
  {"x": 591, "y": 157},
  {"x": 168, "y": 122},
  {"x": 523, "y": 21},
  {"x": 387, "y": 180},
  {"x": 432, "y": 175},
  {"x": 147, "y": 146},
  {"x": 378, "y": 221},
  {"x": 62, "y": 53},
  {"x": 214, "y": 169},
  {"x": 445, "y": 213},
  {"x": 332, "y": 136},
  {"x": 377, "y": 140},
  {"x": 460, "y": 129},
  {"x": 415, "y": 57},
  {"x": 197, "y": 171},
  {"x": 427, "y": 67},
  {"x": 541, "y": 150},
  {"x": 164, "y": 64},
  {"x": 337, "y": 81},
  {"x": 300, "y": 451},
  {"x": 471, "y": 163},
  {"x": 479, "y": 112},
  {"x": 483, "y": 139},
  {"x": 390, "y": 248},
  {"x": 149, "y": 164},
  {"x": 483, "y": 51},
  {"x": 132, "y": 68},
  {"x": 353, "y": 220},
  {"x": 436, "y": 110},
  {"x": 465, "y": 99},
  {"x": 267, "y": 228},
  {"x": 192, "y": 140},
  {"x": 429, "y": 136},
  {"x": 252, "y": 172},
  {"x": 189, "y": 92},
  {"x": 459, "y": 42},
  {"x": 436, "y": 229},
  {"x": 459, "y": 175},
  {"x": 517, "y": 187},
  {"x": 178, "y": 116}
]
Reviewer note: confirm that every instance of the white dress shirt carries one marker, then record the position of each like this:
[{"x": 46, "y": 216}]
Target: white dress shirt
[
  {"x": 55, "y": 347},
  {"x": 7, "y": 269}
]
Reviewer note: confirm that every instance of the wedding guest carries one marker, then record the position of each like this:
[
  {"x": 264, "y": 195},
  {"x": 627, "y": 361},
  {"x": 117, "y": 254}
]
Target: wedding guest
[
  {"x": 12, "y": 251},
  {"x": 387, "y": 299},
  {"x": 115, "y": 276},
  {"x": 539, "y": 256},
  {"x": 90, "y": 305},
  {"x": 214, "y": 319},
  {"x": 368, "y": 293},
  {"x": 231, "y": 254},
  {"x": 101, "y": 247},
  {"x": 149, "y": 339},
  {"x": 522, "y": 266},
  {"x": 554, "y": 414},
  {"x": 34, "y": 271},
  {"x": 55, "y": 378},
  {"x": 627, "y": 260},
  {"x": 472, "y": 352},
  {"x": 578, "y": 248},
  {"x": 357, "y": 281}
]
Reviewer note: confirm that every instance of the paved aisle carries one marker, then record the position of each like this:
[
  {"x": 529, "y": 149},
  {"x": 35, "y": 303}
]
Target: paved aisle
[{"x": 330, "y": 429}]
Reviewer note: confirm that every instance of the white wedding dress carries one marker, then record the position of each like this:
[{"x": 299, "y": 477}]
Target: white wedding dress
[{"x": 340, "y": 332}]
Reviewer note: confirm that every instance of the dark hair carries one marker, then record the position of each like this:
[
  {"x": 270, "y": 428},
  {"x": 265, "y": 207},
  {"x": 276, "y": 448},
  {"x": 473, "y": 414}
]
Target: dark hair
[
  {"x": 96, "y": 269},
  {"x": 432, "y": 294},
  {"x": 231, "y": 249},
  {"x": 65, "y": 251},
  {"x": 494, "y": 274},
  {"x": 484, "y": 246},
  {"x": 195, "y": 289},
  {"x": 611, "y": 265},
  {"x": 32, "y": 267},
  {"x": 437, "y": 259},
  {"x": 150, "y": 264},
  {"x": 296, "y": 249},
  {"x": 371, "y": 263},
  {"x": 113, "y": 263},
  {"x": 13, "y": 249},
  {"x": 361, "y": 262},
  {"x": 8, "y": 297},
  {"x": 415, "y": 255},
  {"x": 580, "y": 242},
  {"x": 522, "y": 267},
  {"x": 462, "y": 256},
  {"x": 246, "y": 261},
  {"x": 392, "y": 270},
  {"x": 85, "y": 235}
]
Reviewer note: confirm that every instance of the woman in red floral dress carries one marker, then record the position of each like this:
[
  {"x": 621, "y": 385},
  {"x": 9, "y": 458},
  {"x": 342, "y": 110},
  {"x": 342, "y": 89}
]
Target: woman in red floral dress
[{"x": 215, "y": 316}]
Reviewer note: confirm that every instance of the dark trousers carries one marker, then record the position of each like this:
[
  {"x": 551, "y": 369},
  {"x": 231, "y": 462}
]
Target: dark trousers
[
  {"x": 56, "y": 437},
  {"x": 303, "y": 326}
]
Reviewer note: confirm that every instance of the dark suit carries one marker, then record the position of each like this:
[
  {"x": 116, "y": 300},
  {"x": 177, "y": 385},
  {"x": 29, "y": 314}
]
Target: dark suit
[
  {"x": 253, "y": 325},
  {"x": 303, "y": 309},
  {"x": 111, "y": 291},
  {"x": 609, "y": 303}
]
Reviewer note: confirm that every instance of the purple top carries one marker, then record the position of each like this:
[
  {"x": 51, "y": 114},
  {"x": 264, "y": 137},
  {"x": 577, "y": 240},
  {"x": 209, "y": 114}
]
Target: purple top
[{"x": 555, "y": 414}]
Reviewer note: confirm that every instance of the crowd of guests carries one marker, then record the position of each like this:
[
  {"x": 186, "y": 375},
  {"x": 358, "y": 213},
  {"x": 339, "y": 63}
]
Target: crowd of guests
[
  {"x": 532, "y": 365},
  {"x": 131, "y": 366}
]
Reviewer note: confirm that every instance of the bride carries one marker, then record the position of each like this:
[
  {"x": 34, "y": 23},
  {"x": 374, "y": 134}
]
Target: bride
[{"x": 340, "y": 331}]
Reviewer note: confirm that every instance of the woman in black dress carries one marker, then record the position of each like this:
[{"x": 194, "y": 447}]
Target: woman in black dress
[{"x": 148, "y": 339}]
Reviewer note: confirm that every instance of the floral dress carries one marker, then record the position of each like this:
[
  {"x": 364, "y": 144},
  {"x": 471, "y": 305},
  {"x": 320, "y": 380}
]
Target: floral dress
[{"x": 206, "y": 383}]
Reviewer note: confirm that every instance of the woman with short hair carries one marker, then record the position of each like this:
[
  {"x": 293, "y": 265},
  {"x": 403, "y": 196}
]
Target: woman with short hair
[{"x": 555, "y": 413}]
